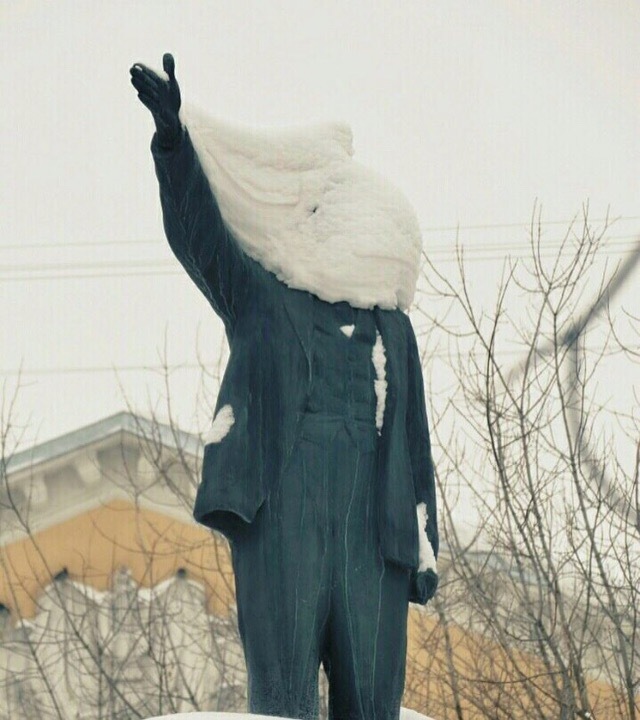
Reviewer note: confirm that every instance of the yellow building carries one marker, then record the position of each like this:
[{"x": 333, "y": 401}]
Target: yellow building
[{"x": 111, "y": 596}]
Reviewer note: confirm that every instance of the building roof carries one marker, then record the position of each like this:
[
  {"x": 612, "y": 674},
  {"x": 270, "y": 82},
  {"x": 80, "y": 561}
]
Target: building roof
[{"x": 137, "y": 425}]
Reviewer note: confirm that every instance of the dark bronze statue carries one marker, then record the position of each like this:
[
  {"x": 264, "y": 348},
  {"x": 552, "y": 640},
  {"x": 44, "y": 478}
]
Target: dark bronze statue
[{"x": 318, "y": 464}]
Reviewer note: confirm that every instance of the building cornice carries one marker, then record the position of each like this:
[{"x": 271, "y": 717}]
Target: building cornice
[{"x": 137, "y": 425}]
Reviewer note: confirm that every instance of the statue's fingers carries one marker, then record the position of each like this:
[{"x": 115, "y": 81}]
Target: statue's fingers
[
  {"x": 137, "y": 84},
  {"x": 149, "y": 76},
  {"x": 142, "y": 82},
  {"x": 152, "y": 76},
  {"x": 140, "y": 68},
  {"x": 169, "y": 65},
  {"x": 149, "y": 102},
  {"x": 149, "y": 97}
]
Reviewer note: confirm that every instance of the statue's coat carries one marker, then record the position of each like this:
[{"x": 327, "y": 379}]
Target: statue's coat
[{"x": 267, "y": 379}]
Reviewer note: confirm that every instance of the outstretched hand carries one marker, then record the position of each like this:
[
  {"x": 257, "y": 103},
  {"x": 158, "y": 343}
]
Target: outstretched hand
[{"x": 161, "y": 97}]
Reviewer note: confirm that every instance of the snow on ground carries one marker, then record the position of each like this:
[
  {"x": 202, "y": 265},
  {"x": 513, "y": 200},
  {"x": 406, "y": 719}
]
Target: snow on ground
[{"x": 405, "y": 714}]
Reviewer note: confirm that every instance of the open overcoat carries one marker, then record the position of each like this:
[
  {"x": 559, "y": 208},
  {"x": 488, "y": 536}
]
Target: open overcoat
[{"x": 268, "y": 376}]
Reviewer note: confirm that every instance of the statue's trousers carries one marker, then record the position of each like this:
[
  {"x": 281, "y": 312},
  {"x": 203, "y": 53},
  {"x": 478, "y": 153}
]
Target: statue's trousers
[{"x": 312, "y": 586}]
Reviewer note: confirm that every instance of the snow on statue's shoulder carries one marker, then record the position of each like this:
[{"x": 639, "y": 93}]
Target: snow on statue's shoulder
[{"x": 405, "y": 714}]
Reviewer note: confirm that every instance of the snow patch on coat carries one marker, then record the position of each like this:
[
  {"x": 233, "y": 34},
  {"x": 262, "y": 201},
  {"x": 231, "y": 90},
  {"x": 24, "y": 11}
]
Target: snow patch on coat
[
  {"x": 299, "y": 204},
  {"x": 427, "y": 558},
  {"x": 221, "y": 425},
  {"x": 348, "y": 330},
  {"x": 379, "y": 360}
]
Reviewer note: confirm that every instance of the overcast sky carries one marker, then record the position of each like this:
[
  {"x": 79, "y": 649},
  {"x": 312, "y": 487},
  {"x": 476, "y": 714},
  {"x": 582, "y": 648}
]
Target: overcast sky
[{"x": 475, "y": 108}]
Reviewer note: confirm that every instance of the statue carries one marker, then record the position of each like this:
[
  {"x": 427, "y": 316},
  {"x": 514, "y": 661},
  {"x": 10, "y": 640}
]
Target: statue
[{"x": 317, "y": 467}]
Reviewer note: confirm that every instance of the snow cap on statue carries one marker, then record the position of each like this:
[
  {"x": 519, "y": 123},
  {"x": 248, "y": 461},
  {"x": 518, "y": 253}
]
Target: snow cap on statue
[{"x": 299, "y": 204}]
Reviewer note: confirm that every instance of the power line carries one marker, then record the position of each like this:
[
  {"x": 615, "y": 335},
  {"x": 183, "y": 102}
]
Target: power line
[
  {"x": 37, "y": 267},
  {"x": 89, "y": 276},
  {"x": 179, "y": 271},
  {"x": 614, "y": 240},
  {"x": 90, "y": 369},
  {"x": 496, "y": 251},
  {"x": 79, "y": 243},
  {"x": 66, "y": 370},
  {"x": 62, "y": 267},
  {"x": 536, "y": 223},
  {"x": 423, "y": 228},
  {"x": 547, "y": 245}
]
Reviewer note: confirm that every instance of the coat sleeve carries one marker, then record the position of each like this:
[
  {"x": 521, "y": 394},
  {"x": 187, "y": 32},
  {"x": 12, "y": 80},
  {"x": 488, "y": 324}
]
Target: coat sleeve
[
  {"x": 419, "y": 441},
  {"x": 196, "y": 231}
]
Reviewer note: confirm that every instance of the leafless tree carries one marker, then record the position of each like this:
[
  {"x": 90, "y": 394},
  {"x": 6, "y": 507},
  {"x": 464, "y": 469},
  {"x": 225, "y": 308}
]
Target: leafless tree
[
  {"x": 130, "y": 650},
  {"x": 537, "y": 611}
]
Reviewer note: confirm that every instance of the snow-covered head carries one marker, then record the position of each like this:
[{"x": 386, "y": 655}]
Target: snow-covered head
[{"x": 299, "y": 204}]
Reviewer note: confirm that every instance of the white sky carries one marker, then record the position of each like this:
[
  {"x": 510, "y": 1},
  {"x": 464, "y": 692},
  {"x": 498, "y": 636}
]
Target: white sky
[{"x": 475, "y": 108}]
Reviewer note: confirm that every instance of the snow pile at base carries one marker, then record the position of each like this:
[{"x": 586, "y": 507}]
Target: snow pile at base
[
  {"x": 299, "y": 204},
  {"x": 405, "y": 714}
]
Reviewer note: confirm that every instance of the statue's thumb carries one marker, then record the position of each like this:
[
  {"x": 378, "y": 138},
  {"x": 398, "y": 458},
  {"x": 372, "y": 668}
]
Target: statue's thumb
[{"x": 169, "y": 65}]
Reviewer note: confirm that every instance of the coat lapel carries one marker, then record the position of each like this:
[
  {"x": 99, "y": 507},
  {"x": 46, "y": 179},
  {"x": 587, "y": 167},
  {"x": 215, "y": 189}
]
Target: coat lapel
[
  {"x": 392, "y": 337},
  {"x": 396, "y": 499}
]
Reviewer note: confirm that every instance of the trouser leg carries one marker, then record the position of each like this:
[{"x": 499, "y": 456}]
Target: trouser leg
[
  {"x": 282, "y": 567},
  {"x": 365, "y": 656},
  {"x": 365, "y": 646}
]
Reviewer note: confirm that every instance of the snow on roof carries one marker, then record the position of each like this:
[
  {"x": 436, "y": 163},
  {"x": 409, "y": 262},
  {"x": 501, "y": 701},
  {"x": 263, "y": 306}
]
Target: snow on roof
[{"x": 125, "y": 421}]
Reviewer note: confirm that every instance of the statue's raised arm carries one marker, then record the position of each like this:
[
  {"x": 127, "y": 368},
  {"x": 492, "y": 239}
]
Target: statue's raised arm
[{"x": 192, "y": 220}]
